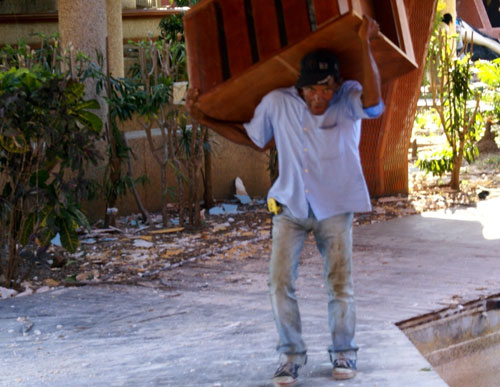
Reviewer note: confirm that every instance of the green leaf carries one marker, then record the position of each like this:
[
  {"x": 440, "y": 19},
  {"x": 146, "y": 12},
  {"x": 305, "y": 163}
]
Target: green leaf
[
  {"x": 7, "y": 190},
  {"x": 39, "y": 178},
  {"x": 14, "y": 144},
  {"x": 71, "y": 278},
  {"x": 74, "y": 91},
  {"x": 44, "y": 214},
  {"x": 46, "y": 235},
  {"x": 90, "y": 104},
  {"x": 79, "y": 217},
  {"x": 27, "y": 228},
  {"x": 90, "y": 119},
  {"x": 69, "y": 239}
]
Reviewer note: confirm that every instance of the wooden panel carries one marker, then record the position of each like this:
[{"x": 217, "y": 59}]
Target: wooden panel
[
  {"x": 341, "y": 37},
  {"x": 244, "y": 93},
  {"x": 384, "y": 14},
  {"x": 325, "y": 10},
  {"x": 474, "y": 13},
  {"x": 366, "y": 7},
  {"x": 237, "y": 39},
  {"x": 266, "y": 28},
  {"x": 203, "y": 48},
  {"x": 403, "y": 28},
  {"x": 297, "y": 21},
  {"x": 469, "y": 11},
  {"x": 236, "y": 99}
]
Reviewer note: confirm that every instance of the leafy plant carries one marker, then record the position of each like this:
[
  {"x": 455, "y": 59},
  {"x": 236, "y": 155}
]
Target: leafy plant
[
  {"x": 48, "y": 131},
  {"x": 190, "y": 151},
  {"x": 426, "y": 119},
  {"x": 489, "y": 74},
  {"x": 457, "y": 105},
  {"x": 180, "y": 146},
  {"x": 118, "y": 177},
  {"x": 148, "y": 92},
  {"x": 171, "y": 28}
]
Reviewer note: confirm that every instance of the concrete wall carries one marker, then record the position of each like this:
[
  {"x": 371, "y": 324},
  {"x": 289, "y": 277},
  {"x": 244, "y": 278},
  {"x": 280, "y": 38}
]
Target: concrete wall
[
  {"x": 141, "y": 28},
  {"x": 27, "y": 6},
  {"x": 229, "y": 161},
  {"x": 129, "y": 4},
  {"x": 12, "y": 33},
  {"x": 132, "y": 29}
]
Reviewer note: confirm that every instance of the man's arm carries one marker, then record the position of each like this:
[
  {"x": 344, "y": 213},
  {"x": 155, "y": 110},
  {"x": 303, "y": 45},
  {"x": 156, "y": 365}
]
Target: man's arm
[
  {"x": 371, "y": 78},
  {"x": 233, "y": 131}
]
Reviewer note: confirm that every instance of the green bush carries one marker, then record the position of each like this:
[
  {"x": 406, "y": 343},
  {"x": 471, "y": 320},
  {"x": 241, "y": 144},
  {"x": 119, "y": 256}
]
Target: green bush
[{"x": 48, "y": 135}]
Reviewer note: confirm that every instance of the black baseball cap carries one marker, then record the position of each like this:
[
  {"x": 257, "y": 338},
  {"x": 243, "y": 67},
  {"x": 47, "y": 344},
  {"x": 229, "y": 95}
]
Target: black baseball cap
[{"x": 316, "y": 66}]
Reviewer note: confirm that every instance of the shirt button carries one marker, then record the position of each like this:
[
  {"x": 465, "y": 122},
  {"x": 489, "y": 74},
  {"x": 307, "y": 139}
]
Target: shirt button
[
  {"x": 305, "y": 149},
  {"x": 307, "y": 190},
  {"x": 306, "y": 170},
  {"x": 305, "y": 129}
]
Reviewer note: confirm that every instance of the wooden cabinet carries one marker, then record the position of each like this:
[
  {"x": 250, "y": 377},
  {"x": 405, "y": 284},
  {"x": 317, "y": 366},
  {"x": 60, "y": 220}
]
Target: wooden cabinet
[{"x": 239, "y": 50}]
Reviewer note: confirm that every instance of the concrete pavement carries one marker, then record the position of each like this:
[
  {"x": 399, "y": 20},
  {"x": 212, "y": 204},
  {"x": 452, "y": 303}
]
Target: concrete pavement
[{"x": 210, "y": 323}]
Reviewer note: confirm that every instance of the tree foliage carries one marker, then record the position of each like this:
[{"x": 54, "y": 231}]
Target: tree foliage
[
  {"x": 457, "y": 105},
  {"x": 489, "y": 74},
  {"x": 48, "y": 131}
]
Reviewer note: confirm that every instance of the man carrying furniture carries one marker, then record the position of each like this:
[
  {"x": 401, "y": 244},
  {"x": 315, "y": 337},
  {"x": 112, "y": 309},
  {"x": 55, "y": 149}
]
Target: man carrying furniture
[{"x": 316, "y": 126}]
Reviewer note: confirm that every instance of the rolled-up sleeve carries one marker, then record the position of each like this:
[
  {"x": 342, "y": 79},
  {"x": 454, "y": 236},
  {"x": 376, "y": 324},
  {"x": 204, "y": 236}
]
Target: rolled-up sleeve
[
  {"x": 260, "y": 128},
  {"x": 355, "y": 91},
  {"x": 375, "y": 111}
]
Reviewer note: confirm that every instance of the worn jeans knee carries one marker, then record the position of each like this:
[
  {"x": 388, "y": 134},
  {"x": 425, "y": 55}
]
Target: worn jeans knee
[
  {"x": 287, "y": 242},
  {"x": 334, "y": 241}
]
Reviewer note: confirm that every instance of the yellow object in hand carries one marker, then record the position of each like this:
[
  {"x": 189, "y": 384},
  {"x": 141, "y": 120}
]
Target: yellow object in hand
[{"x": 273, "y": 206}]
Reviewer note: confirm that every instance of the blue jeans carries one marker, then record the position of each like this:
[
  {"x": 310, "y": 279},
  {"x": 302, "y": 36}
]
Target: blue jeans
[{"x": 334, "y": 241}]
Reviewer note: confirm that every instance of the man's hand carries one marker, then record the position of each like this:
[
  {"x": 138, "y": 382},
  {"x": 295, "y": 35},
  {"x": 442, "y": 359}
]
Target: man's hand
[{"x": 368, "y": 29}]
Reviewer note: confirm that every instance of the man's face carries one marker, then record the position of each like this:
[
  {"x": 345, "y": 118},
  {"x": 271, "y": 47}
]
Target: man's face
[{"x": 318, "y": 97}]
